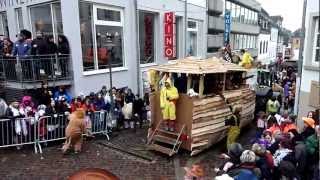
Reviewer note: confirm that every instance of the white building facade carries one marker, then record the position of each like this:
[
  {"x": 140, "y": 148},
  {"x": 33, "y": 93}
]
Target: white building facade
[
  {"x": 137, "y": 28},
  {"x": 309, "y": 96}
]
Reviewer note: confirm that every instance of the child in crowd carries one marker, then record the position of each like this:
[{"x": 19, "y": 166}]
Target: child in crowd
[{"x": 261, "y": 123}]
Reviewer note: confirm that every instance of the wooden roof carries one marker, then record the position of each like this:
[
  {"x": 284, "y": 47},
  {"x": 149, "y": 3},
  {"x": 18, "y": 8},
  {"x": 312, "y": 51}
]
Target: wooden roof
[{"x": 203, "y": 66}]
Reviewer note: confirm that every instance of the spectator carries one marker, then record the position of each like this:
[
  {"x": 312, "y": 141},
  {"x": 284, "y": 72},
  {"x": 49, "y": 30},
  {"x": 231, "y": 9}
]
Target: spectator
[
  {"x": 300, "y": 152},
  {"x": 308, "y": 127},
  {"x": 76, "y": 104},
  {"x": 247, "y": 169},
  {"x": 99, "y": 103},
  {"x": 3, "y": 108},
  {"x": 63, "y": 45},
  {"x": 62, "y": 106},
  {"x": 261, "y": 123},
  {"x": 264, "y": 161},
  {"x": 62, "y": 93},
  {"x": 52, "y": 47},
  {"x": 288, "y": 124},
  {"x": 44, "y": 95},
  {"x": 39, "y": 45},
  {"x": 266, "y": 139},
  {"x": 7, "y": 47},
  {"x": 138, "y": 109},
  {"x": 129, "y": 96},
  {"x": 273, "y": 106},
  {"x": 27, "y": 107},
  {"x": 232, "y": 158},
  {"x": 286, "y": 89},
  {"x": 21, "y": 47},
  {"x": 282, "y": 153}
]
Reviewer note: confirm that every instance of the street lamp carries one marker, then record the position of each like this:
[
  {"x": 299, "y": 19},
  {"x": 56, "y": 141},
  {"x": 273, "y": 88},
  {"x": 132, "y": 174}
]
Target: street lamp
[{"x": 109, "y": 45}]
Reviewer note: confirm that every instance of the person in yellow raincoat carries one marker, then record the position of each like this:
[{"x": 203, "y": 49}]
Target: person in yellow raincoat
[
  {"x": 168, "y": 97},
  {"x": 234, "y": 130},
  {"x": 246, "y": 61}
]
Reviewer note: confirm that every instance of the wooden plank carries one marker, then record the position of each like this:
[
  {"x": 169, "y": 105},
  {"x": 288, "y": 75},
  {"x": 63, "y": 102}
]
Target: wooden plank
[
  {"x": 202, "y": 143},
  {"x": 213, "y": 113},
  {"x": 212, "y": 131},
  {"x": 215, "y": 121},
  {"x": 207, "y": 128},
  {"x": 210, "y": 118},
  {"x": 209, "y": 110},
  {"x": 205, "y": 101}
]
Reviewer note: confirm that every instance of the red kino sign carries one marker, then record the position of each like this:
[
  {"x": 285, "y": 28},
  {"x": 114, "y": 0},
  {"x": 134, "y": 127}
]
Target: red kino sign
[{"x": 169, "y": 20}]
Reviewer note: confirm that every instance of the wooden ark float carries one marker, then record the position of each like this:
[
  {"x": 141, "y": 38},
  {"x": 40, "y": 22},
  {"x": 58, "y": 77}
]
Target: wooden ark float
[{"x": 221, "y": 87}]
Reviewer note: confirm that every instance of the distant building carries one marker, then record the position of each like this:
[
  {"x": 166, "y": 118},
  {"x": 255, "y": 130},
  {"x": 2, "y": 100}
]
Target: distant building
[
  {"x": 267, "y": 39},
  {"x": 309, "y": 96},
  {"x": 244, "y": 25}
]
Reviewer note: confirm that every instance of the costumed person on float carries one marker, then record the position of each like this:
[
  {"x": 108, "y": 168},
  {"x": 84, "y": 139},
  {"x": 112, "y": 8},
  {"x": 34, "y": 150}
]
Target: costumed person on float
[
  {"x": 168, "y": 98},
  {"x": 246, "y": 61}
]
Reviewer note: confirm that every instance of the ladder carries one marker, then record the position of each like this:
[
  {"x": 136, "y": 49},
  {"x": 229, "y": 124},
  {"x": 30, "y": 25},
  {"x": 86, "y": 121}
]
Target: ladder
[{"x": 165, "y": 141}]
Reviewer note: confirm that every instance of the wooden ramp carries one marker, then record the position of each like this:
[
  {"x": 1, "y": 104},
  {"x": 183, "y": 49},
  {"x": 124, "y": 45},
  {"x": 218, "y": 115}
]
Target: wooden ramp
[{"x": 165, "y": 141}]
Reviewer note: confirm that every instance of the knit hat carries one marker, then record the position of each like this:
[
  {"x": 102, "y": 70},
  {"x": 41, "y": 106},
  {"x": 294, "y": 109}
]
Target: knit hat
[
  {"x": 309, "y": 121},
  {"x": 235, "y": 150},
  {"x": 248, "y": 157}
]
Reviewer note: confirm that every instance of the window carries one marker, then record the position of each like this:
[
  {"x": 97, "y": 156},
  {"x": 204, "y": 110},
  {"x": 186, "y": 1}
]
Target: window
[
  {"x": 19, "y": 19},
  {"x": 47, "y": 19},
  {"x": 240, "y": 41},
  {"x": 4, "y": 30},
  {"x": 242, "y": 14},
  {"x": 260, "y": 50},
  {"x": 237, "y": 39},
  {"x": 266, "y": 47},
  {"x": 192, "y": 38},
  {"x": 238, "y": 13},
  {"x": 246, "y": 15},
  {"x": 316, "y": 43},
  {"x": 101, "y": 31},
  {"x": 228, "y": 5},
  {"x": 146, "y": 37},
  {"x": 233, "y": 11}
]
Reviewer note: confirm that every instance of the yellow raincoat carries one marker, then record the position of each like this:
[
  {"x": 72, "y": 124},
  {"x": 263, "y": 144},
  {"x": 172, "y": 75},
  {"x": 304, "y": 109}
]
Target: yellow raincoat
[
  {"x": 168, "y": 97},
  {"x": 233, "y": 132},
  {"x": 246, "y": 61}
]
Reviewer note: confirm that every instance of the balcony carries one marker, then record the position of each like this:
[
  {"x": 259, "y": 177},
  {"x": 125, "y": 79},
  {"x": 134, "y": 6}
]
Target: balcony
[
  {"x": 30, "y": 71},
  {"x": 215, "y": 7}
]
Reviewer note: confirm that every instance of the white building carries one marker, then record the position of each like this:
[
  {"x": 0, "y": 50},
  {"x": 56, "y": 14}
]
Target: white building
[
  {"x": 85, "y": 24},
  {"x": 309, "y": 97}
]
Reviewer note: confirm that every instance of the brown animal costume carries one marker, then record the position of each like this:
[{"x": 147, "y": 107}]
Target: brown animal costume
[{"x": 74, "y": 131}]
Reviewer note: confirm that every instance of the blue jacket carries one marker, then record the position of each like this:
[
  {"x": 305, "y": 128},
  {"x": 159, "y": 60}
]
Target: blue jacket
[
  {"x": 21, "y": 49},
  {"x": 58, "y": 95}
]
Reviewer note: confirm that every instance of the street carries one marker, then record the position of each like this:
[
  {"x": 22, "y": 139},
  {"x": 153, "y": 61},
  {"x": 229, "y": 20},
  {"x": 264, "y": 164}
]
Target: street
[{"x": 24, "y": 164}]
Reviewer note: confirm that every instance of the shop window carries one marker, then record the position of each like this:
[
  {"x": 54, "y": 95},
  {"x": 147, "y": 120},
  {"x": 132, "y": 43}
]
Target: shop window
[
  {"x": 19, "y": 19},
  {"x": 101, "y": 31},
  {"x": 192, "y": 38},
  {"x": 47, "y": 19},
  {"x": 4, "y": 29},
  {"x": 147, "y": 37}
]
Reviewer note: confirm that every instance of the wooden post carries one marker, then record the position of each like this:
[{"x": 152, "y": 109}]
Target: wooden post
[
  {"x": 201, "y": 86},
  {"x": 224, "y": 82},
  {"x": 189, "y": 82}
]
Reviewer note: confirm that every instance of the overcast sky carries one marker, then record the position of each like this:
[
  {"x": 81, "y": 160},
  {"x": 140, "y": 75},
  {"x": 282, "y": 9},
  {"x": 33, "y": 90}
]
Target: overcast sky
[{"x": 290, "y": 10}]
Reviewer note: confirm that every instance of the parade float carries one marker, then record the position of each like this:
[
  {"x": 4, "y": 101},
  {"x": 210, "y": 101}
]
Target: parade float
[{"x": 209, "y": 91}]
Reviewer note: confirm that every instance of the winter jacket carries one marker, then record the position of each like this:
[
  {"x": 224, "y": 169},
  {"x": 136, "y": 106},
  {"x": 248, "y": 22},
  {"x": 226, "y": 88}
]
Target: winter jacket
[
  {"x": 300, "y": 152},
  {"x": 273, "y": 106},
  {"x": 39, "y": 46},
  {"x": 312, "y": 144},
  {"x": 309, "y": 131},
  {"x": 99, "y": 104},
  {"x": 3, "y": 108},
  {"x": 52, "y": 48},
  {"x": 59, "y": 95},
  {"x": 246, "y": 171},
  {"x": 262, "y": 164},
  {"x": 288, "y": 127},
  {"x": 279, "y": 155},
  {"x": 21, "y": 49}
]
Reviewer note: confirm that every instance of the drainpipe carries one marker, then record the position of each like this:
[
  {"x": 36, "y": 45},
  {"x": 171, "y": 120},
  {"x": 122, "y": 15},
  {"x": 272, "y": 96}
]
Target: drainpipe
[
  {"x": 137, "y": 44},
  {"x": 185, "y": 27},
  {"x": 300, "y": 62}
]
